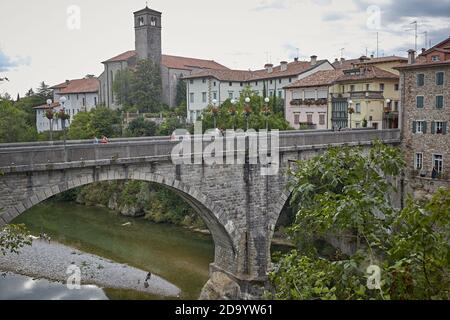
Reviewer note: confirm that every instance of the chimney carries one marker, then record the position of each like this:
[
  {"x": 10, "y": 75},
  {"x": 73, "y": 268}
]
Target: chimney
[
  {"x": 283, "y": 65},
  {"x": 423, "y": 50},
  {"x": 296, "y": 59},
  {"x": 268, "y": 67},
  {"x": 313, "y": 60},
  {"x": 67, "y": 81},
  {"x": 336, "y": 60},
  {"x": 371, "y": 56},
  {"x": 342, "y": 60},
  {"x": 411, "y": 56}
]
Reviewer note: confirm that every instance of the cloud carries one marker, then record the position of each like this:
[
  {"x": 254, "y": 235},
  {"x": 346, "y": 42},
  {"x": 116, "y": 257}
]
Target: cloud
[
  {"x": 334, "y": 16},
  {"x": 397, "y": 10},
  {"x": 272, "y": 5},
  {"x": 322, "y": 2},
  {"x": 7, "y": 63}
]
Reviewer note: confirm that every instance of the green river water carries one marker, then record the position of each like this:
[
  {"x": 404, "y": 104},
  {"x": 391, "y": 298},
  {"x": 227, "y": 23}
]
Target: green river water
[{"x": 174, "y": 253}]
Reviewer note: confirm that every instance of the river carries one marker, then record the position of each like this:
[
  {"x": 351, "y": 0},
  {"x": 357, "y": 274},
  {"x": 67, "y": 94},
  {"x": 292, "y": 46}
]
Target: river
[{"x": 178, "y": 255}]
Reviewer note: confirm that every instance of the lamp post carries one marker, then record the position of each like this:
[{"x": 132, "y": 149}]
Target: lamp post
[
  {"x": 232, "y": 112},
  {"x": 350, "y": 112},
  {"x": 214, "y": 111},
  {"x": 63, "y": 116},
  {"x": 247, "y": 110},
  {"x": 266, "y": 111},
  {"x": 49, "y": 116},
  {"x": 387, "y": 110}
]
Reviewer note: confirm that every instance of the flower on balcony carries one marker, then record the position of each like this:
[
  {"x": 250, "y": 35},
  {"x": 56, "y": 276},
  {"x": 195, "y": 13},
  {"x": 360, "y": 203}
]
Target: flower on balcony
[
  {"x": 387, "y": 109},
  {"x": 49, "y": 114},
  {"x": 247, "y": 110},
  {"x": 63, "y": 115},
  {"x": 351, "y": 110},
  {"x": 266, "y": 111},
  {"x": 232, "y": 111},
  {"x": 214, "y": 110}
]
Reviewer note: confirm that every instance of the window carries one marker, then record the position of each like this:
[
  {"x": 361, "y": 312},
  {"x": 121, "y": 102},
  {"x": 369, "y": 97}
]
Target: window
[
  {"x": 439, "y": 102},
  {"x": 230, "y": 95},
  {"x": 271, "y": 81},
  {"x": 84, "y": 102},
  {"x": 439, "y": 78},
  {"x": 290, "y": 80},
  {"x": 352, "y": 88},
  {"x": 203, "y": 80},
  {"x": 296, "y": 118},
  {"x": 435, "y": 58},
  {"x": 419, "y": 127},
  {"x": 342, "y": 89},
  {"x": 321, "y": 119},
  {"x": 191, "y": 81},
  {"x": 256, "y": 83},
  {"x": 95, "y": 101},
  {"x": 358, "y": 108},
  {"x": 279, "y": 80},
  {"x": 381, "y": 86},
  {"x": 309, "y": 118},
  {"x": 367, "y": 87},
  {"x": 396, "y": 87},
  {"x": 215, "y": 95},
  {"x": 153, "y": 21},
  {"x": 204, "y": 97},
  {"x": 420, "y": 79},
  {"x": 214, "y": 83},
  {"x": 418, "y": 161},
  {"x": 78, "y": 97},
  {"x": 419, "y": 101},
  {"x": 439, "y": 127},
  {"x": 241, "y": 84},
  {"x": 438, "y": 162},
  {"x": 230, "y": 84},
  {"x": 396, "y": 106},
  {"x": 280, "y": 94},
  {"x": 271, "y": 93},
  {"x": 191, "y": 97}
]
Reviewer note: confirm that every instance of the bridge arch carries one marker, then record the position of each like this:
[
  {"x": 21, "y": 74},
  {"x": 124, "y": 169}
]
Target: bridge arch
[{"x": 212, "y": 215}]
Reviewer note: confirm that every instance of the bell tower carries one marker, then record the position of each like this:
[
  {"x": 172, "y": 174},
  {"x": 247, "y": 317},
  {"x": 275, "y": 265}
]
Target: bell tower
[{"x": 147, "y": 26}]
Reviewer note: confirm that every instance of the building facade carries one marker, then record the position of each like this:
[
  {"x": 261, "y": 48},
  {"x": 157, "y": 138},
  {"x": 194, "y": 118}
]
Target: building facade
[
  {"x": 425, "y": 86},
  {"x": 148, "y": 45},
  {"x": 82, "y": 95},
  {"x": 206, "y": 86}
]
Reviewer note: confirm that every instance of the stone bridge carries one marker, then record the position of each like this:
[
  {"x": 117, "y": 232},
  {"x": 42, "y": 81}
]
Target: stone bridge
[{"x": 239, "y": 205}]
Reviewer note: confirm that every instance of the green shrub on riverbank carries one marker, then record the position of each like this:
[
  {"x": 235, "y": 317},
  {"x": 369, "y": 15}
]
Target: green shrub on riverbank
[{"x": 136, "y": 199}]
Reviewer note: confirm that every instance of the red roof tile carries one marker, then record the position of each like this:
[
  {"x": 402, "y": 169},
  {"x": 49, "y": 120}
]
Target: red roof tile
[
  {"x": 366, "y": 73},
  {"x": 347, "y": 64},
  {"x": 320, "y": 78},
  {"x": 85, "y": 85},
  {"x": 45, "y": 106},
  {"x": 174, "y": 62}
]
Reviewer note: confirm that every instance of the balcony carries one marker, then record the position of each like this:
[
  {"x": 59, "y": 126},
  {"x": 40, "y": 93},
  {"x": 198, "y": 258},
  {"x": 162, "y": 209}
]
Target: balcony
[
  {"x": 309, "y": 102},
  {"x": 367, "y": 95}
]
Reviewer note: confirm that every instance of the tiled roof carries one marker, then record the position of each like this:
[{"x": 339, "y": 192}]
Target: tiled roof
[
  {"x": 367, "y": 73},
  {"x": 147, "y": 9},
  {"x": 293, "y": 69},
  {"x": 45, "y": 106},
  {"x": 85, "y": 85},
  {"x": 347, "y": 64},
  {"x": 320, "y": 78},
  {"x": 420, "y": 64},
  {"x": 174, "y": 62}
]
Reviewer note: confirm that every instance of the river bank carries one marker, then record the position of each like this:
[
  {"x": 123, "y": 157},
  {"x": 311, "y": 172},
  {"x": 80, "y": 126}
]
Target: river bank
[{"x": 52, "y": 260}]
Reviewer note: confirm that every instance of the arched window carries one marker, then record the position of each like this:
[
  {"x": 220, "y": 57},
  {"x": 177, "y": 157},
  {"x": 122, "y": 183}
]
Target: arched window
[
  {"x": 141, "y": 21},
  {"x": 153, "y": 21}
]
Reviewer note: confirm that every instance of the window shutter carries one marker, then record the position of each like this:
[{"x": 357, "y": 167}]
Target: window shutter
[
  {"x": 433, "y": 127},
  {"x": 424, "y": 124},
  {"x": 414, "y": 126},
  {"x": 444, "y": 128}
]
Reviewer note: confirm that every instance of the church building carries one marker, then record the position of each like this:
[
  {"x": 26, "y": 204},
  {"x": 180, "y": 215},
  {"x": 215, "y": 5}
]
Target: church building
[{"x": 147, "y": 26}]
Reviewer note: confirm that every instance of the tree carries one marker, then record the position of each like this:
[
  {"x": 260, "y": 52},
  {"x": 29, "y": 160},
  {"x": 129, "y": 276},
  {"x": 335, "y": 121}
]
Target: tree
[
  {"x": 146, "y": 86},
  {"x": 139, "y": 127},
  {"x": 44, "y": 92},
  {"x": 100, "y": 121},
  {"x": 81, "y": 127},
  {"x": 343, "y": 194},
  {"x": 13, "y": 238},
  {"x": 30, "y": 93},
  {"x": 13, "y": 125},
  {"x": 180, "y": 99},
  {"x": 122, "y": 87}
]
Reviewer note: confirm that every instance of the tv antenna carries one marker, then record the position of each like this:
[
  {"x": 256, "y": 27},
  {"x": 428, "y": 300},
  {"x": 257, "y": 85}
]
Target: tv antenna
[
  {"x": 342, "y": 52},
  {"x": 415, "y": 28},
  {"x": 426, "y": 38}
]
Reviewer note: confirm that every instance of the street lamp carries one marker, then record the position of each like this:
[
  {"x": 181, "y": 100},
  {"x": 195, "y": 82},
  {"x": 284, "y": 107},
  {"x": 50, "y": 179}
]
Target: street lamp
[
  {"x": 63, "y": 117},
  {"x": 232, "y": 112},
  {"x": 387, "y": 110},
  {"x": 214, "y": 111},
  {"x": 247, "y": 110},
  {"x": 49, "y": 116},
  {"x": 350, "y": 111},
  {"x": 267, "y": 112}
]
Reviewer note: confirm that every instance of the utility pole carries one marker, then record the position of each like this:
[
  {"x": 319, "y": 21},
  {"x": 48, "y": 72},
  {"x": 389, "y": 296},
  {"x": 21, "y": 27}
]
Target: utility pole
[
  {"x": 378, "y": 45},
  {"x": 342, "y": 52},
  {"x": 415, "y": 34},
  {"x": 426, "y": 38}
]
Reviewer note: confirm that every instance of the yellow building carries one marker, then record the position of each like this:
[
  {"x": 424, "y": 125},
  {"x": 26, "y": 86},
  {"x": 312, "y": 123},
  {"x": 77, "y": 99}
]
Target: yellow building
[{"x": 366, "y": 94}]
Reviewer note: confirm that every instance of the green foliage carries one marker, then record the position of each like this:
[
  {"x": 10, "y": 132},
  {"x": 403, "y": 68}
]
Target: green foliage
[
  {"x": 44, "y": 92},
  {"x": 98, "y": 122},
  {"x": 257, "y": 118},
  {"x": 122, "y": 87},
  {"x": 140, "y": 127},
  {"x": 13, "y": 238},
  {"x": 343, "y": 192},
  {"x": 13, "y": 124},
  {"x": 180, "y": 99},
  {"x": 170, "y": 125}
]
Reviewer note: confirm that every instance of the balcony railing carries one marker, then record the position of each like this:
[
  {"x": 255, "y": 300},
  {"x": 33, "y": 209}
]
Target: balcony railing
[{"x": 309, "y": 102}]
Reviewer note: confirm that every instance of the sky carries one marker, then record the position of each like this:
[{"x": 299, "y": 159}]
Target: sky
[{"x": 55, "y": 40}]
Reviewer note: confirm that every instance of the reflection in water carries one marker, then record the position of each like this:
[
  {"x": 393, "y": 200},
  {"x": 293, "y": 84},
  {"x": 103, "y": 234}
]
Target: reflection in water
[{"x": 18, "y": 287}]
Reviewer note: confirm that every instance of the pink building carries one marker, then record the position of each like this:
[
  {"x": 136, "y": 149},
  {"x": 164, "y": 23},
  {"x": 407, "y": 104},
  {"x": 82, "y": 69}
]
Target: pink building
[{"x": 306, "y": 103}]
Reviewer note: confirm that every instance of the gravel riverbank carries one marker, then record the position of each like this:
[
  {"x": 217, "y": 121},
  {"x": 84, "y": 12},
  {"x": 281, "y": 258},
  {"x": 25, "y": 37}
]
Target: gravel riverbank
[{"x": 51, "y": 261}]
